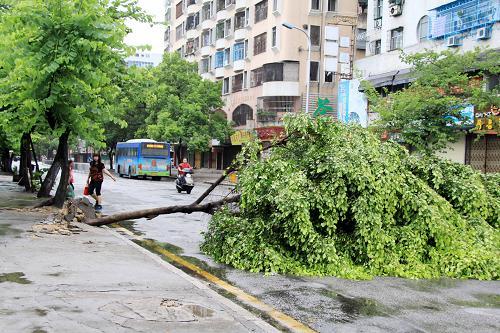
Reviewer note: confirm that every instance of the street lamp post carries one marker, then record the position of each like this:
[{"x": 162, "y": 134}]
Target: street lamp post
[{"x": 308, "y": 81}]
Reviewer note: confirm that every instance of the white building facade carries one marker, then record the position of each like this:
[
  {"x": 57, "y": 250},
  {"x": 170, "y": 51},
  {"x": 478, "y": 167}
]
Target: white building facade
[{"x": 410, "y": 26}]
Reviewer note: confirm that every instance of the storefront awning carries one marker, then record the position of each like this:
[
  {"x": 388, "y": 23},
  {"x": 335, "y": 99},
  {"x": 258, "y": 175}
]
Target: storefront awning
[{"x": 388, "y": 79}]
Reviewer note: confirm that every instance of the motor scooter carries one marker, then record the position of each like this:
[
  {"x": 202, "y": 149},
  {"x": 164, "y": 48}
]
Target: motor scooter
[{"x": 185, "y": 182}]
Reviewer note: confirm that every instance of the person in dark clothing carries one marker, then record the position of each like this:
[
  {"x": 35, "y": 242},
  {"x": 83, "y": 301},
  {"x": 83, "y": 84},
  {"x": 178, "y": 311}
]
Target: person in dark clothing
[{"x": 96, "y": 178}]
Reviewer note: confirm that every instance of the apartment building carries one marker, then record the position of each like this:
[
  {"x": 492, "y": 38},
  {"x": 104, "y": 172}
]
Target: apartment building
[
  {"x": 263, "y": 65},
  {"x": 144, "y": 59},
  {"x": 409, "y": 26}
]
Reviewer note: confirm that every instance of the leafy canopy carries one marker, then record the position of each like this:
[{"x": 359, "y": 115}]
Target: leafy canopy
[
  {"x": 184, "y": 106},
  {"x": 429, "y": 112},
  {"x": 354, "y": 207},
  {"x": 59, "y": 60}
]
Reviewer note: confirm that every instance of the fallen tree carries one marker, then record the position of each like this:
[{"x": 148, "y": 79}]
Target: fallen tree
[
  {"x": 210, "y": 208},
  {"x": 337, "y": 201}
]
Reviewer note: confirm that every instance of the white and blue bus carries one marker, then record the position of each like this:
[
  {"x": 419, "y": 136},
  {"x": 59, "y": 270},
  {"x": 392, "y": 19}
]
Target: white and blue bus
[{"x": 143, "y": 157}]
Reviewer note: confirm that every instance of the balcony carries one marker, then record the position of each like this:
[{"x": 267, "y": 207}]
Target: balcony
[
  {"x": 240, "y": 34},
  {"x": 192, "y": 8},
  {"x": 239, "y": 65},
  {"x": 219, "y": 73},
  {"x": 241, "y": 4},
  {"x": 280, "y": 88},
  {"x": 220, "y": 43},
  {"x": 222, "y": 15},
  {"x": 207, "y": 24},
  {"x": 206, "y": 51},
  {"x": 192, "y": 34},
  {"x": 207, "y": 76},
  {"x": 281, "y": 79}
]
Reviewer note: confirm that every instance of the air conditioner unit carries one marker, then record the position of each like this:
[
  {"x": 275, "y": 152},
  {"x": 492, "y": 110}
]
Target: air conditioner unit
[
  {"x": 483, "y": 33},
  {"x": 453, "y": 41},
  {"x": 395, "y": 10}
]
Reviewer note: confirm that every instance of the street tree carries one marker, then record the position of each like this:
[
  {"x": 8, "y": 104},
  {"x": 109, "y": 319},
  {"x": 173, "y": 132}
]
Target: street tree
[
  {"x": 62, "y": 58},
  {"x": 136, "y": 88},
  {"x": 184, "y": 107},
  {"x": 429, "y": 114}
]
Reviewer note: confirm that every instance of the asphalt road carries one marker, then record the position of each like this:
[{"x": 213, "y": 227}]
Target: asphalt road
[{"x": 325, "y": 304}]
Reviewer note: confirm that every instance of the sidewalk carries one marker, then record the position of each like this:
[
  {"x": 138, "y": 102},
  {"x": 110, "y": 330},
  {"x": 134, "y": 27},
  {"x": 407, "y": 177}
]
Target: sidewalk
[{"x": 98, "y": 281}]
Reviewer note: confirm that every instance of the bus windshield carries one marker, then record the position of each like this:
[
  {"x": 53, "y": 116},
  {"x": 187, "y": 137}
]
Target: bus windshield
[{"x": 155, "y": 149}]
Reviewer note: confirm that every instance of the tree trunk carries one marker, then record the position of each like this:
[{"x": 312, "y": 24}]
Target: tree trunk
[
  {"x": 50, "y": 178},
  {"x": 209, "y": 208},
  {"x": 25, "y": 163},
  {"x": 6, "y": 160},
  {"x": 111, "y": 157},
  {"x": 178, "y": 150},
  {"x": 62, "y": 189}
]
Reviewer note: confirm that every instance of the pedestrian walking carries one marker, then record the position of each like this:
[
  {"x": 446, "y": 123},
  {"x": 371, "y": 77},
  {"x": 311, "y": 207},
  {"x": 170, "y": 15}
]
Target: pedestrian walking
[
  {"x": 96, "y": 178},
  {"x": 71, "y": 181}
]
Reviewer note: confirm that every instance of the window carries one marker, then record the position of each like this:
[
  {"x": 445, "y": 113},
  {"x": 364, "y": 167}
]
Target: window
[
  {"x": 275, "y": 6},
  {"x": 423, "y": 29},
  {"x": 206, "y": 39},
  {"x": 225, "y": 86},
  {"x": 219, "y": 30},
  {"x": 273, "y": 72},
  {"x": 207, "y": 11},
  {"x": 204, "y": 65},
  {"x": 332, "y": 5},
  {"x": 396, "y": 39},
  {"x": 193, "y": 21},
  {"x": 256, "y": 77},
  {"x": 179, "y": 31},
  {"x": 378, "y": 9},
  {"x": 221, "y": 4},
  {"x": 377, "y": 46},
  {"x": 328, "y": 77},
  {"x": 179, "y": 9},
  {"x": 245, "y": 80},
  {"x": 274, "y": 38},
  {"x": 227, "y": 28},
  {"x": 314, "y": 71},
  {"x": 239, "y": 51},
  {"x": 315, "y": 32},
  {"x": 241, "y": 19},
  {"x": 261, "y": 11},
  {"x": 238, "y": 82},
  {"x": 241, "y": 114},
  {"x": 219, "y": 59},
  {"x": 227, "y": 56},
  {"x": 315, "y": 4},
  {"x": 259, "y": 43},
  {"x": 191, "y": 2},
  {"x": 190, "y": 47}
]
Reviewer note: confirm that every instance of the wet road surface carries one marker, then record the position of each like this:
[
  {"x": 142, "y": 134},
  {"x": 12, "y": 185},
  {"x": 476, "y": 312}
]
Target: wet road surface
[{"x": 325, "y": 304}]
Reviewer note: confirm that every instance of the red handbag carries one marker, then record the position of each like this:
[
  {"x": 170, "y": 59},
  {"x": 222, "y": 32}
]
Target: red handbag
[{"x": 86, "y": 190}]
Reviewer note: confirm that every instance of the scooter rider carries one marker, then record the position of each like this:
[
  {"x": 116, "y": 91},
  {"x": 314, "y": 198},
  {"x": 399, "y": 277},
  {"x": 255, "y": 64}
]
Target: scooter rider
[{"x": 181, "y": 167}]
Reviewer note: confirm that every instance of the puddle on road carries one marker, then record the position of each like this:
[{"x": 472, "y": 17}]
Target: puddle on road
[
  {"x": 431, "y": 285},
  {"x": 7, "y": 230},
  {"x": 41, "y": 312},
  {"x": 16, "y": 277},
  {"x": 200, "y": 311},
  {"x": 483, "y": 301},
  {"x": 130, "y": 225},
  {"x": 354, "y": 307}
]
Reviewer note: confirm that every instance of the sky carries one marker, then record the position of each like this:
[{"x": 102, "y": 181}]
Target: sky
[{"x": 145, "y": 34}]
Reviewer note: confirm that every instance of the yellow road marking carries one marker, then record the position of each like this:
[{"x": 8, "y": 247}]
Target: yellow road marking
[{"x": 283, "y": 319}]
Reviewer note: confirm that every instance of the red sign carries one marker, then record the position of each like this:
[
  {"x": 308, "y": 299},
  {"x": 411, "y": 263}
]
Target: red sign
[{"x": 270, "y": 133}]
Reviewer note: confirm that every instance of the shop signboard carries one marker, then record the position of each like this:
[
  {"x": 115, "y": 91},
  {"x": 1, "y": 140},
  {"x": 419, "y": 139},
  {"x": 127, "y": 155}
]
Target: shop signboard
[
  {"x": 487, "y": 122},
  {"x": 240, "y": 137}
]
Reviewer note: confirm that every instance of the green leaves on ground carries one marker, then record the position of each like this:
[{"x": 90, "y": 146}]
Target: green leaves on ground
[{"x": 337, "y": 201}]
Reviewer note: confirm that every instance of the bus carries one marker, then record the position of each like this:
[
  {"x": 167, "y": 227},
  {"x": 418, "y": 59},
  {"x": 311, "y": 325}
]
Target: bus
[{"x": 143, "y": 158}]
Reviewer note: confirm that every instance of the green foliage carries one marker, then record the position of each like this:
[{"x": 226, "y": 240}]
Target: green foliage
[
  {"x": 184, "y": 106},
  {"x": 59, "y": 60},
  {"x": 336, "y": 201},
  {"x": 426, "y": 114}
]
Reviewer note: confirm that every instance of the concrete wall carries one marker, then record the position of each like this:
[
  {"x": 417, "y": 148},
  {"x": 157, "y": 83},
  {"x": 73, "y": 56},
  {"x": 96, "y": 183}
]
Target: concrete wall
[{"x": 455, "y": 151}]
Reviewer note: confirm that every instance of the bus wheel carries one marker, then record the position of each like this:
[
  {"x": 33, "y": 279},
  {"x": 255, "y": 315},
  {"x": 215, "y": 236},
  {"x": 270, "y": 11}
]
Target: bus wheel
[{"x": 119, "y": 172}]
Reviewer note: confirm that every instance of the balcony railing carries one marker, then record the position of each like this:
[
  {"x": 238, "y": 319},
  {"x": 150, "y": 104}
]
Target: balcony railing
[{"x": 463, "y": 15}]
